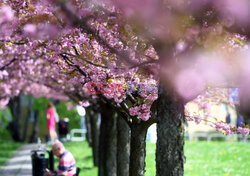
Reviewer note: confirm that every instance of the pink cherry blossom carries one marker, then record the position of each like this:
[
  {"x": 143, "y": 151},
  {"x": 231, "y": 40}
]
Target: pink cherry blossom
[{"x": 6, "y": 14}]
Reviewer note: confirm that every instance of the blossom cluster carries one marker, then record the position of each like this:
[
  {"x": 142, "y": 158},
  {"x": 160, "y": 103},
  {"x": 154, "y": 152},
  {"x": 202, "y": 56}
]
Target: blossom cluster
[
  {"x": 223, "y": 127},
  {"x": 74, "y": 49},
  {"x": 112, "y": 90},
  {"x": 231, "y": 129},
  {"x": 142, "y": 111}
]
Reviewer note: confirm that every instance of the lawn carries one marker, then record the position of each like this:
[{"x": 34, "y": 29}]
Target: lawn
[
  {"x": 83, "y": 155},
  {"x": 209, "y": 158},
  {"x": 202, "y": 158},
  {"x": 7, "y": 148}
]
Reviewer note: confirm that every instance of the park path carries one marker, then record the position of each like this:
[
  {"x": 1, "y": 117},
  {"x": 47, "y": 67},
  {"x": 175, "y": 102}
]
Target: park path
[{"x": 20, "y": 163}]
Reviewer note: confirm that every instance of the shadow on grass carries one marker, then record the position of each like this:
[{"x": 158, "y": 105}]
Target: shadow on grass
[
  {"x": 87, "y": 158},
  {"x": 87, "y": 168}
]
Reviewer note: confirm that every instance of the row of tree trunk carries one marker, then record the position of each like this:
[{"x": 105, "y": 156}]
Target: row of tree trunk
[
  {"x": 119, "y": 149},
  {"x": 21, "y": 108},
  {"x": 122, "y": 147}
]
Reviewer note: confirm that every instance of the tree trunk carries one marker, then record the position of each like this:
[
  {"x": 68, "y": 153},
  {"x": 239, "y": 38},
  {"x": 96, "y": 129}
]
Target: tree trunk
[
  {"x": 123, "y": 147},
  {"x": 88, "y": 127},
  {"x": 15, "y": 125},
  {"x": 34, "y": 135},
  {"x": 101, "y": 146},
  {"x": 243, "y": 107},
  {"x": 95, "y": 135},
  {"x": 27, "y": 117},
  {"x": 26, "y": 123},
  {"x": 108, "y": 142},
  {"x": 170, "y": 135},
  {"x": 138, "y": 149}
]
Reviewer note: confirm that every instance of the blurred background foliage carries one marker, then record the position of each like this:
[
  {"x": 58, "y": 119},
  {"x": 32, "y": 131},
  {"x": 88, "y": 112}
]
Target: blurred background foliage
[
  {"x": 5, "y": 118},
  {"x": 40, "y": 105},
  {"x": 63, "y": 112}
]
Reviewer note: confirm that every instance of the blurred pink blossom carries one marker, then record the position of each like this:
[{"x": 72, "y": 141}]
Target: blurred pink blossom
[
  {"x": 197, "y": 119},
  {"x": 6, "y": 14},
  {"x": 238, "y": 9},
  {"x": 3, "y": 103},
  {"x": 189, "y": 83},
  {"x": 30, "y": 29},
  {"x": 243, "y": 131}
]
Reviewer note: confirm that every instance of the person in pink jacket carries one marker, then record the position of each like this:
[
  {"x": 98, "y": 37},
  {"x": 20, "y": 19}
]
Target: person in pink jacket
[{"x": 51, "y": 121}]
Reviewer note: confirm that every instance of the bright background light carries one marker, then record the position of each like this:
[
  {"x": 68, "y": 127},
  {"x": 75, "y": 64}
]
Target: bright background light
[{"x": 81, "y": 111}]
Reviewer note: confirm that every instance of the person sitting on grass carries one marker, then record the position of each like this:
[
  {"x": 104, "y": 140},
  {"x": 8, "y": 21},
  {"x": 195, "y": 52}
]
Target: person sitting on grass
[{"x": 67, "y": 164}]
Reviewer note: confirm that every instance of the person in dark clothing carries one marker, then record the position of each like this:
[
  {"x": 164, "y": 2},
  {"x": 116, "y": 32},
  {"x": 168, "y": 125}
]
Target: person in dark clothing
[
  {"x": 240, "y": 122},
  {"x": 228, "y": 119}
]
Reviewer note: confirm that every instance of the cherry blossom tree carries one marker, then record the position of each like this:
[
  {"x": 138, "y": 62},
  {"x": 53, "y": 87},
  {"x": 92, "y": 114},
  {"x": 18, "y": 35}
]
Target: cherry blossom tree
[{"x": 129, "y": 55}]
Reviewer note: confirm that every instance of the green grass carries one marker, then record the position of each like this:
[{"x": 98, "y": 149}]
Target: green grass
[
  {"x": 202, "y": 158},
  {"x": 7, "y": 148},
  {"x": 83, "y": 156},
  {"x": 209, "y": 158}
]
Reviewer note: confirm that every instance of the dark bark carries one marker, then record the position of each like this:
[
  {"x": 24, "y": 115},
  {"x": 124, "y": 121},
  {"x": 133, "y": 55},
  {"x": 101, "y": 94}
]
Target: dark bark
[
  {"x": 107, "y": 142},
  {"x": 170, "y": 135},
  {"x": 34, "y": 135},
  {"x": 88, "y": 127},
  {"x": 25, "y": 125},
  {"x": 101, "y": 147},
  {"x": 243, "y": 107},
  {"x": 111, "y": 142},
  {"x": 95, "y": 135},
  {"x": 15, "y": 125},
  {"x": 27, "y": 115},
  {"x": 138, "y": 147},
  {"x": 123, "y": 147}
]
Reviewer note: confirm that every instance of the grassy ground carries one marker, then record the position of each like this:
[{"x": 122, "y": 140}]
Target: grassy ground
[
  {"x": 83, "y": 155},
  {"x": 218, "y": 159},
  {"x": 203, "y": 158},
  {"x": 7, "y": 148},
  {"x": 212, "y": 159}
]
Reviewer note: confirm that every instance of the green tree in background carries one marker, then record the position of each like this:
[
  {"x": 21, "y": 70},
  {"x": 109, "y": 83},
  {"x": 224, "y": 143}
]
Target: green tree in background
[
  {"x": 5, "y": 118},
  {"x": 63, "y": 112},
  {"x": 40, "y": 105}
]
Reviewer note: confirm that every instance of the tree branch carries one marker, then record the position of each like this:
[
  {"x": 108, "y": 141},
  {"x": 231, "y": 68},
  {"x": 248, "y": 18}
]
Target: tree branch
[
  {"x": 70, "y": 63},
  {"x": 13, "y": 60},
  {"x": 82, "y": 23}
]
